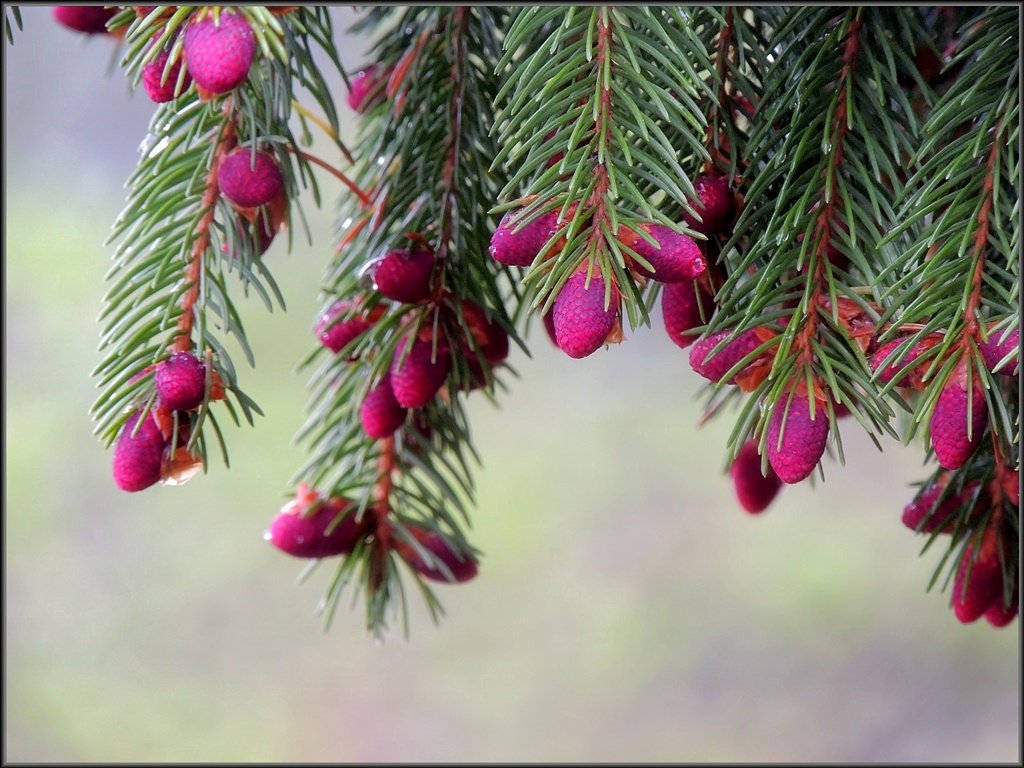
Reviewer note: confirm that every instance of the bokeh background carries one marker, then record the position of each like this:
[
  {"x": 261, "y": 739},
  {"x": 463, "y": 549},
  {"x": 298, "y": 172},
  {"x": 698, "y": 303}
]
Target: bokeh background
[{"x": 626, "y": 609}]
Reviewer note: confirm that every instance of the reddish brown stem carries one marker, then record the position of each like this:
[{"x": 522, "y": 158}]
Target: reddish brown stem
[
  {"x": 981, "y": 240},
  {"x": 381, "y": 511},
  {"x": 194, "y": 269},
  {"x": 604, "y": 52},
  {"x": 599, "y": 198},
  {"x": 386, "y": 464},
  {"x": 824, "y": 222},
  {"x": 401, "y": 70},
  {"x": 354, "y": 230},
  {"x": 722, "y": 53},
  {"x": 451, "y": 160},
  {"x": 363, "y": 197}
]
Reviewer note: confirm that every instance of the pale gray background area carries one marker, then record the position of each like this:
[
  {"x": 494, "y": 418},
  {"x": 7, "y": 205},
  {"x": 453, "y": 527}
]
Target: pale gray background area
[{"x": 626, "y": 609}]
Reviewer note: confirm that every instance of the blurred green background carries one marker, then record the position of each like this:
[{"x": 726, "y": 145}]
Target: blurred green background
[{"x": 626, "y": 609}]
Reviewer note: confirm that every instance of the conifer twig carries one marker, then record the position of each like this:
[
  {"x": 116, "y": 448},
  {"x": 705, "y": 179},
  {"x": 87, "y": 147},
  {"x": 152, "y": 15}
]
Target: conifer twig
[
  {"x": 725, "y": 46},
  {"x": 449, "y": 173},
  {"x": 981, "y": 238},
  {"x": 208, "y": 205},
  {"x": 602, "y": 223},
  {"x": 363, "y": 197},
  {"x": 824, "y": 221}
]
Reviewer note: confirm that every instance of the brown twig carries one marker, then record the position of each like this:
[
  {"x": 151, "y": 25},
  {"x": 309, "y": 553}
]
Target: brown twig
[
  {"x": 397, "y": 77},
  {"x": 824, "y": 221},
  {"x": 981, "y": 240},
  {"x": 386, "y": 464},
  {"x": 722, "y": 53},
  {"x": 363, "y": 197},
  {"x": 381, "y": 511},
  {"x": 194, "y": 269},
  {"x": 451, "y": 160},
  {"x": 599, "y": 197}
]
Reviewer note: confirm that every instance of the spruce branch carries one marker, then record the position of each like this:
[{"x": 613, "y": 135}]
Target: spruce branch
[
  {"x": 181, "y": 238},
  {"x": 740, "y": 57},
  {"x": 976, "y": 112},
  {"x": 226, "y": 139},
  {"x": 823, "y": 174},
  {"x": 959, "y": 277},
  {"x": 600, "y": 89},
  {"x": 859, "y": 233},
  {"x": 956, "y": 273},
  {"x": 422, "y": 155}
]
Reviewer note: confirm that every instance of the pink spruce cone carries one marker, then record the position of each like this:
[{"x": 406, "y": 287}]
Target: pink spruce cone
[
  {"x": 519, "y": 249},
  {"x": 949, "y": 426},
  {"x": 312, "y": 535},
  {"x": 497, "y": 346},
  {"x": 485, "y": 337},
  {"x": 218, "y": 56},
  {"x": 681, "y": 311},
  {"x": 381, "y": 414},
  {"x": 250, "y": 185},
  {"x": 984, "y": 580},
  {"x": 581, "y": 321},
  {"x": 754, "y": 490},
  {"x": 418, "y": 433},
  {"x": 138, "y": 459},
  {"x": 906, "y": 363},
  {"x": 676, "y": 258},
  {"x": 418, "y": 378},
  {"x": 715, "y": 203},
  {"x": 180, "y": 381},
  {"x": 488, "y": 334},
  {"x": 153, "y": 74},
  {"x": 404, "y": 274},
  {"x": 88, "y": 19},
  {"x": 1001, "y": 614},
  {"x": 462, "y": 567},
  {"x": 367, "y": 88},
  {"x": 999, "y": 346},
  {"x": 477, "y": 375},
  {"x": 338, "y": 335},
  {"x": 549, "y": 326},
  {"x": 1011, "y": 486},
  {"x": 264, "y": 237},
  {"x": 714, "y": 368},
  {"x": 803, "y": 438},
  {"x": 917, "y": 511}
]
